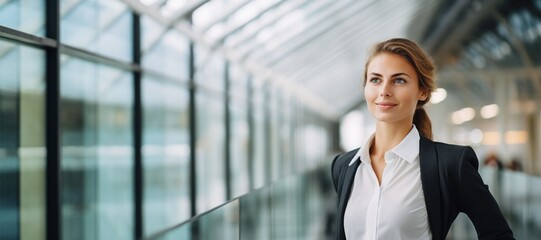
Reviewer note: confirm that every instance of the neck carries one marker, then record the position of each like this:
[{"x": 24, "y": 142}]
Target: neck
[{"x": 387, "y": 136}]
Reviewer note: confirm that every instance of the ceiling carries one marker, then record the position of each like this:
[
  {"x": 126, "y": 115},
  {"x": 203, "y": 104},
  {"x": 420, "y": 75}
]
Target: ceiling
[{"x": 316, "y": 49}]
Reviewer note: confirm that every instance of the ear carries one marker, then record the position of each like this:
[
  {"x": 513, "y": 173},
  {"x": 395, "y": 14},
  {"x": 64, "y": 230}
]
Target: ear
[{"x": 423, "y": 96}]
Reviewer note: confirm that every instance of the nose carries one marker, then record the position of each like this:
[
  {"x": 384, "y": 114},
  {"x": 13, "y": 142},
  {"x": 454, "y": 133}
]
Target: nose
[{"x": 385, "y": 90}]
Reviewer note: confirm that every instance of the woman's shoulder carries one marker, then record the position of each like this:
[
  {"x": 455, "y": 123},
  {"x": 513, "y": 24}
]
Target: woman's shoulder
[
  {"x": 344, "y": 158},
  {"x": 448, "y": 147},
  {"x": 454, "y": 154},
  {"x": 339, "y": 166}
]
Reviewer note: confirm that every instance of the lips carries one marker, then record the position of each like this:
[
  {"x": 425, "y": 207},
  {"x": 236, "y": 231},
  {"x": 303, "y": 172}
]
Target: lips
[{"x": 386, "y": 105}]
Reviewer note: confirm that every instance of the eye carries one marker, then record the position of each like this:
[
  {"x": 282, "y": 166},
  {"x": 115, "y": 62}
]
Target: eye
[
  {"x": 400, "y": 81},
  {"x": 374, "y": 80}
]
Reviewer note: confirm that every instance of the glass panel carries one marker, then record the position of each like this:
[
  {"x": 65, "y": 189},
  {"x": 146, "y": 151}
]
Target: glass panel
[
  {"x": 240, "y": 132},
  {"x": 220, "y": 223},
  {"x": 260, "y": 133},
  {"x": 296, "y": 207},
  {"x": 165, "y": 154},
  {"x": 97, "y": 152},
  {"x": 23, "y": 15},
  {"x": 210, "y": 69},
  {"x": 164, "y": 52},
  {"x": 274, "y": 134},
  {"x": 255, "y": 215},
  {"x": 514, "y": 200},
  {"x": 299, "y": 138},
  {"x": 533, "y": 219},
  {"x": 101, "y": 26},
  {"x": 286, "y": 136},
  {"x": 22, "y": 142},
  {"x": 210, "y": 150}
]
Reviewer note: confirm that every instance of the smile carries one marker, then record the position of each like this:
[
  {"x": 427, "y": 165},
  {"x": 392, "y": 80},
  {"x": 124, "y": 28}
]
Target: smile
[{"x": 386, "y": 105}]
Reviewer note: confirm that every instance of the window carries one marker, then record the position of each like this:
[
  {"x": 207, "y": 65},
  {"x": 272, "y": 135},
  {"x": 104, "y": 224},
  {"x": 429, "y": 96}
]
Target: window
[
  {"x": 96, "y": 151},
  {"x": 22, "y": 142}
]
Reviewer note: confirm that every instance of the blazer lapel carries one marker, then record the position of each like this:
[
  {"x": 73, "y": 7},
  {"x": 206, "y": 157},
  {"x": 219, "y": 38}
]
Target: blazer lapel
[
  {"x": 346, "y": 190},
  {"x": 431, "y": 185}
]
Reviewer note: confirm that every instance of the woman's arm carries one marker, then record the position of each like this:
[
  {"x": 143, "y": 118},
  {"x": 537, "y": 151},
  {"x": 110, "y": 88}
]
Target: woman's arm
[{"x": 477, "y": 202}]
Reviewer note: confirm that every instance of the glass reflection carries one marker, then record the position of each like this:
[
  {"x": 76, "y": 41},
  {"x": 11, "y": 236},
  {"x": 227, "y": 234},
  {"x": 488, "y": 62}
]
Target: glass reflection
[
  {"x": 210, "y": 150},
  {"x": 275, "y": 123},
  {"x": 101, "y": 26},
  {"x": 239, "y": 147},
  {"x": 165, "y": 154},
  {"x": 25, "y": 16},
  {"x": 210, "y": 69},
  {"x": 164, "y": 52},
  {"x": 260, "y": 141},
  {"x": 22, "y": 142},
  {"x": 97, "y": 159}
]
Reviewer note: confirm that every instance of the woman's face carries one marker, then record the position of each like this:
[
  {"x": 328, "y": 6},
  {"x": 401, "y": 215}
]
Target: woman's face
[{"x": 392, "y": 89}]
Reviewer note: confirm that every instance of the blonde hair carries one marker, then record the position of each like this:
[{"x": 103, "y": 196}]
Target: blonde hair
[{"x": 424, "y": 67}]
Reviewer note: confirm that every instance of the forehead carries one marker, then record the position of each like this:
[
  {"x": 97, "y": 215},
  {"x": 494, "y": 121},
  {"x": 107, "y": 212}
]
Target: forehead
[{"x": 389, "y": 63}]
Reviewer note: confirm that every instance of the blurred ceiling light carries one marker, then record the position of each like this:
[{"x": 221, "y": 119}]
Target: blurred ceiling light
[
  {"x": 489, "y": 111},
  {"x": 463, "y": 115},
  {"x": 476, "y": 136},
  {"x": 516, "y": 137},
  {"x": 438, "y": 95},
  {"x": 491, "y": 138}
]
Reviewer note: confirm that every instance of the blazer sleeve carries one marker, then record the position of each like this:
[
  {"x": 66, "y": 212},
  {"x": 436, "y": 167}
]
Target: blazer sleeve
[
  {"x": 477, "y": 202},
  {"x": 335, "y": 171}
]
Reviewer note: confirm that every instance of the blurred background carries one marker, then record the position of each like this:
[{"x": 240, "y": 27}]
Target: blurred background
[{"x": 218, "y": 119}]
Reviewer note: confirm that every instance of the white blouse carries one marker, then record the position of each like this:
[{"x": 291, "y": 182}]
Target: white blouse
[{"x": 396, "y": 209}]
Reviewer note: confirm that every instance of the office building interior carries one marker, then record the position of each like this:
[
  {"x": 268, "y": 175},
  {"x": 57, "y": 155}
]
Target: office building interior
[{"x": 219, "y": 119}]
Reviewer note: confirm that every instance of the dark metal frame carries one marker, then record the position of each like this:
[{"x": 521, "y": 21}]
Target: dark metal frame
[
  {"x": 227, "y": 116},
  {"x": 251, "y": 125},
  {"x": 138, "y": 173},
  {"x": 53, "y": 134},
  {"x": 193, "y": 135}
]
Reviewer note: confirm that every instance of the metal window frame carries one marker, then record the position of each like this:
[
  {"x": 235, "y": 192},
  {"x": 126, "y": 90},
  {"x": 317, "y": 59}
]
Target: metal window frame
[{"x": 53, "y": 185}]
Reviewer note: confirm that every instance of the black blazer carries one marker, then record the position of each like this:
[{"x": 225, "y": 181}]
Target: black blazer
[{"x": 451, "y": 184}]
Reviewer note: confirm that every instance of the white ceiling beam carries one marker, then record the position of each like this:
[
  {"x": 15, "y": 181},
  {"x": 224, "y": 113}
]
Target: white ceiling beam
[
  {"x": 310, "y": 99},
  {"x": 226, "y": 14}
]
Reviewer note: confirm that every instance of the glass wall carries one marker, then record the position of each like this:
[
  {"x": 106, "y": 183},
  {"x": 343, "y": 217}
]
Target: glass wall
[
  {"x": 97, "y": 151},
  {"x": 260, "y": 171},
  {"x": 210, "y": 130},
  {"x": 275, "y": 117},
  {"x": 22, "y": 142},
  {"x": 245, "y": 133},
  {"x": 100, "y": 26},
  {"x": 23, "y": 15},
  {"x": 166, "y": 137},
  {"x": 240, "y": 135},
  {"x": 165, "y": 153}
]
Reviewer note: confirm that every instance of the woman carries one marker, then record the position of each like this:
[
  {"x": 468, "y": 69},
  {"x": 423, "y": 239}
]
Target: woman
[{"x": 401, "y": 184}]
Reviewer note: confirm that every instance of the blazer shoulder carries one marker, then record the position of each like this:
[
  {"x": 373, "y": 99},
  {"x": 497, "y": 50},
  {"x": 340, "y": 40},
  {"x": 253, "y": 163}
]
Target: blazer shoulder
[
  {"x": 343, "y": 159},
  {"x": 449, "y": 148},
  {"x": 339, "y": 164},
  {"x": 450, "y": 155}
]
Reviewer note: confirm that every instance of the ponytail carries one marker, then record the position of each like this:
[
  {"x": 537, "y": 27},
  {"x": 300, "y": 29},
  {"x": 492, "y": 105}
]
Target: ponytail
[{"x": 422, "y": 122}]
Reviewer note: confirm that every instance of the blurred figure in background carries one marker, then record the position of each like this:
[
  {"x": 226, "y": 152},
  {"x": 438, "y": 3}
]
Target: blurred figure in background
[
  {"x": 515, "y": 165},
  {"x": 492, "y": 160}
]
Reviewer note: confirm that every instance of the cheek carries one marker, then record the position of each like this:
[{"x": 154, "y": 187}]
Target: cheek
[{"x": 368, "y": 94}]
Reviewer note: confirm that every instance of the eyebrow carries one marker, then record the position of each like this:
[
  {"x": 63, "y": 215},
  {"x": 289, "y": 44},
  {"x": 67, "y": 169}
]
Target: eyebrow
[{"x": 394, "y": 75}]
